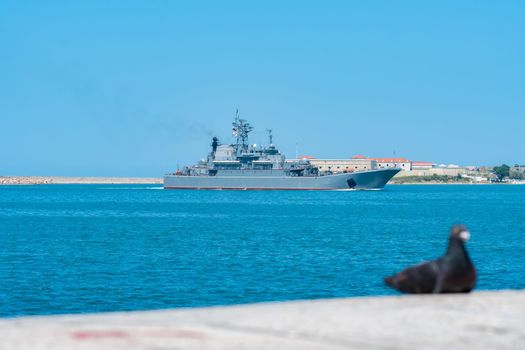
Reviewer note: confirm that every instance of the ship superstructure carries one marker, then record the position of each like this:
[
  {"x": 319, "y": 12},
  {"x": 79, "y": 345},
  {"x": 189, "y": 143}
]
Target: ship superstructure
[{"x": 243, "y": 166}]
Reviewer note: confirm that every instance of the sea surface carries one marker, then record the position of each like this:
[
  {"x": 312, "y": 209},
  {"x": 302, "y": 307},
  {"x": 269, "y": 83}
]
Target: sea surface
[{"x": 90, "y": 248}]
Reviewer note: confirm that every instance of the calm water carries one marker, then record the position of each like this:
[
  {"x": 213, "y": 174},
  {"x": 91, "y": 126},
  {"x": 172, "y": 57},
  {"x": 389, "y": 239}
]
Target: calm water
[{"x": 69, "y": 248}]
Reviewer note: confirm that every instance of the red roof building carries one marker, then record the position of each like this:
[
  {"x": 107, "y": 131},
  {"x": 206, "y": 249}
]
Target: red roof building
[
  {"x": 391, "y": 160},
  {"x": 402, "y": 163}
]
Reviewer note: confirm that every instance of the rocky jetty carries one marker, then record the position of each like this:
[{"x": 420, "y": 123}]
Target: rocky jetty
[{"x": 45, "y": 180}]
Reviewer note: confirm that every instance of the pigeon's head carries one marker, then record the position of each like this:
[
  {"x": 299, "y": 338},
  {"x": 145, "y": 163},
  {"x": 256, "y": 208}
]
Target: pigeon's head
[{"x": 460, "y": 232}]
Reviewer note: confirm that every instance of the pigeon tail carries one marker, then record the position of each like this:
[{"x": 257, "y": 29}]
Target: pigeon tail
[{"x": 391, "y": 281}]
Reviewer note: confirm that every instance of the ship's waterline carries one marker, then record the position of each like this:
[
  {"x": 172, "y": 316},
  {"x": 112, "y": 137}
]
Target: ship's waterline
[{"x": 242, "y": 166}]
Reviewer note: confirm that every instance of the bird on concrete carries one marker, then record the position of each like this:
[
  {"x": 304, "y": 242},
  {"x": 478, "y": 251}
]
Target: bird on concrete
[{"x": 452, "y": 273}]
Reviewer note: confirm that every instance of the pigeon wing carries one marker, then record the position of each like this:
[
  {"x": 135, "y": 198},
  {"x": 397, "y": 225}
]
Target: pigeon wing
[
  {"x": 459, "y": 277},
  {"x": 422, "y": 278}
]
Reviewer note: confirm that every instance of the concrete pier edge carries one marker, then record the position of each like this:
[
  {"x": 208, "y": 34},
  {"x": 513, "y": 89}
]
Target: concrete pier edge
[{"x": 480, "y": 320}]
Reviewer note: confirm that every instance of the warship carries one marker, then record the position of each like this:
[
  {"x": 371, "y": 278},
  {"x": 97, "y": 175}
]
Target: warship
[{"x": 241, "y": 166}]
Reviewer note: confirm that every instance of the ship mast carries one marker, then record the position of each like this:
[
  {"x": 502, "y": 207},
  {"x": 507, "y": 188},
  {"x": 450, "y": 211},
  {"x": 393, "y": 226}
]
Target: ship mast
[
  {"x": 241, "y": 129},
  {"x": 270, "y": 136}
]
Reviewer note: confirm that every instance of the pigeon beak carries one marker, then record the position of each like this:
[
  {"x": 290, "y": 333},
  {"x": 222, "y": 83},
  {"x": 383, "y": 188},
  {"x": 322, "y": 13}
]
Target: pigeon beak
[{"x": 464, "y": 235}]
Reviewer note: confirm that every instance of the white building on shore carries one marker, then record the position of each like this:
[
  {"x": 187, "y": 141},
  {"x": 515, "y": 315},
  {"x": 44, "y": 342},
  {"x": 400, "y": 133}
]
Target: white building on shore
[
  {"x": 342, "y": 165},
  {"x": 418, "y": 165},
  {"x": 385, "y": 163}
]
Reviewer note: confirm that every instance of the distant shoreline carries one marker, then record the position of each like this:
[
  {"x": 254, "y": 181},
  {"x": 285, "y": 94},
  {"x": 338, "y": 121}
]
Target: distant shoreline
[
  {"x": 63, "y": 180},
  {"x": 94, "y": 180},
  {"x": 455, "y": 183}
]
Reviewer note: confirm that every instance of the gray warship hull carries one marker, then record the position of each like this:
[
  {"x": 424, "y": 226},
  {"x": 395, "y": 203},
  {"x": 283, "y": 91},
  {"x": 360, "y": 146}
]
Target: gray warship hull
[{"x": 250, "y": 180}]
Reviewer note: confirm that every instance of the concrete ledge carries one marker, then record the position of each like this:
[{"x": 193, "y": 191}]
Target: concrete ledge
[{"x": 482, "y": 320}]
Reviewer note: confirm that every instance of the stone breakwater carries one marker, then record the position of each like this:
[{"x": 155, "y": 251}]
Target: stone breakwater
[{"x": 44, "y": 180}]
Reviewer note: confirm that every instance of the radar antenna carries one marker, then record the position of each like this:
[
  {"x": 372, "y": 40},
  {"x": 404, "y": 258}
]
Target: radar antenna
[{"x": 241, "y": 129}]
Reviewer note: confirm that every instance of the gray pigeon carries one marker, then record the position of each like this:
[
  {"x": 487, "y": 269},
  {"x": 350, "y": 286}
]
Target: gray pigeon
[{"x": 452, "y": 273}]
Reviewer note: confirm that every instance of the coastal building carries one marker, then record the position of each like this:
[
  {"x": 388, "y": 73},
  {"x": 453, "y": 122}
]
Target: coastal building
[
  {"x": 343, "y": 165},
  {"x": 410, "y": 168},
  {"x": 418, "y": 165},
  {"x": 403, "y": 163},
  {"x": 517, "y": 172},
  {"x": 358, "y": 163},
  {"x": 433, "y": 171}
]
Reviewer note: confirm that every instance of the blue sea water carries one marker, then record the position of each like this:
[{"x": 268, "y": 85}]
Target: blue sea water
[{"x": 88, "y": 248}]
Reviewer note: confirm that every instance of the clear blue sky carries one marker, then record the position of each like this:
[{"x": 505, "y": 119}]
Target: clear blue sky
[{"x": 133, "y": 88}]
